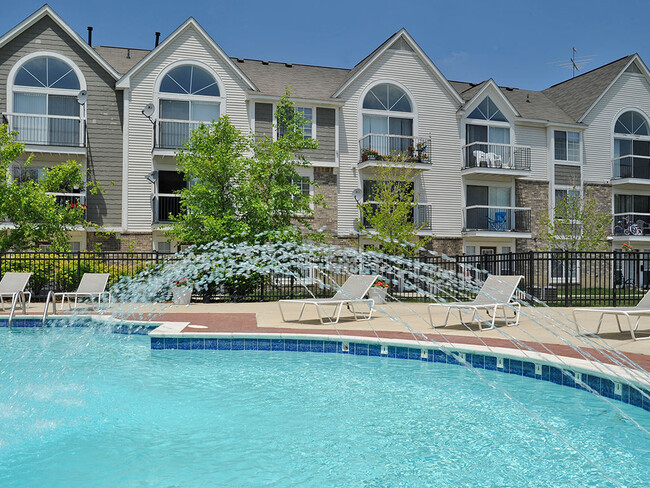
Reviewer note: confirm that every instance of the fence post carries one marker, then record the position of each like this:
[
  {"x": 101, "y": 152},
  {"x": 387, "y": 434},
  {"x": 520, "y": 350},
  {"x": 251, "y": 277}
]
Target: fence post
[
  {"x": 613, "y": 278},
  {"x": 531, "y": 275},
  {"x": 567, "y": 279},
  {"x": 78, "y": 267}
]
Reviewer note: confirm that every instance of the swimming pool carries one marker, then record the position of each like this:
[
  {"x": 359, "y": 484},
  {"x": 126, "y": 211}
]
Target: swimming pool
[{"x": 83, "y": 407}]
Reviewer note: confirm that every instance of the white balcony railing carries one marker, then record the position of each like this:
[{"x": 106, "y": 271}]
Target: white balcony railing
[
  {"x": 48, "y": 130},
  {"x": 631, "y": 166},
  {"x": 496, "y": 156},
  {"x": 164, "y": 206},
  {"x": 394, "y": 148},
  {"x": 496, "y": 219},
  {"x": 173, "y": 134},
  {"x": 422, "y": 215},
  {"x": 631, "y": 224}
]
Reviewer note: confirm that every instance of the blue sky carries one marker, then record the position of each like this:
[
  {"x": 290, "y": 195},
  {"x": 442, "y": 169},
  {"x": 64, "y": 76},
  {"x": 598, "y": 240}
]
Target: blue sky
[{"x": 514, "y": 42}]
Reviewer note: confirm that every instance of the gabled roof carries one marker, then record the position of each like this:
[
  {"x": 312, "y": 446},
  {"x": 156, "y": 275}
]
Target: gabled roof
[
  {"x": 577, "y": 95},
  {"x": 485, "y": 86},
  {"x": 46, "y": 11},
  {"x": 190, "y": 23},
  {"x": 372, "y": 57},
  {"x": 307, "y": 82},
  {"x": 121, "y": 58}
]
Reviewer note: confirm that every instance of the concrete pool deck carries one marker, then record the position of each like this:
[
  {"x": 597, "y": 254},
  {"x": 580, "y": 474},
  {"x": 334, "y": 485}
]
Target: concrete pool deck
[{"x": 400, "y": 321}]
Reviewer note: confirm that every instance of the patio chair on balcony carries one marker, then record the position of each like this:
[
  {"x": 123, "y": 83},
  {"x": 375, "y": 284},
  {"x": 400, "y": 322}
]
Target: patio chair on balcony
[
  {"x": 499, "y": 222},
  {"x": 351, "y": 294},
  {"x": 494, "y": 160},
  {"x": 92, "y": 285},
  {"x": 13, "y": 284},
  {"x": 480, "y": 157}
]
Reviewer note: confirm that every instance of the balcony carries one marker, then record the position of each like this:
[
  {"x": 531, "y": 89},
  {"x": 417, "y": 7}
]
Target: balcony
[
  {"x": 172, "y": 134},
  {"x": 49, "y": 133},
  {"x": 631, "y": 171},
  {"x": 631, "y": 225},
  {"x": 496, "y": 160},
  {"x": 71, "y": 200},
  {"x": 376, "y": 149},
  {"x": 165, "y": 205},
  {"x": 422, "y": 215},
  {"x": 489, "y": 221}
]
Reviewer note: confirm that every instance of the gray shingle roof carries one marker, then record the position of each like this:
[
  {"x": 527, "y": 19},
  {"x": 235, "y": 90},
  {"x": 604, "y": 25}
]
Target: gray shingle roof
[
  {"x": 576, "y": 95},
  {"x": 122, "y": 59},
  {"x": 309, "y": 82}
]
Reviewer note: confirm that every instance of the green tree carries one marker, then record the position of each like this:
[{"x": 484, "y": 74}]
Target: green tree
[
  {"x": 240, "y": 187},
  {"x": 578, "y": 223},
  {"x": 388, "y": 215},
  {"x": 33, "y": 215}
]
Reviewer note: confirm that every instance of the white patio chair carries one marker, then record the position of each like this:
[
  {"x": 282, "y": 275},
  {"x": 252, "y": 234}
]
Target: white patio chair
[
  {"x": 641, "y": 309},
  {"x": 91, "y": 285},
  {"x": 352, "y": 293},
  {"x": 480, "y": 157},
  {"x": 494, "y": 160},
  {"x": 497, "y": 292},
  {"x": 13, "y": 283}
]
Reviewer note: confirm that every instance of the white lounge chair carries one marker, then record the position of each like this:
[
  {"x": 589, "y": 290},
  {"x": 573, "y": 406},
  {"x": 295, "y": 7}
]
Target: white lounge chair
[
  {"x": 497, "y": 292},
  {"x": 351, "y": 293},
  {"x": 13, "y": 283},
  {"x": 641, "y": 309},
  {"x": 91, "y": 285}
]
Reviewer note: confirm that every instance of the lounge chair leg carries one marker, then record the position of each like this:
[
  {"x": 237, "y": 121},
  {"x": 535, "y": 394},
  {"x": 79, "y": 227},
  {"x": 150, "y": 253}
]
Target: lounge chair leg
[{"x": 629, "y": 323}]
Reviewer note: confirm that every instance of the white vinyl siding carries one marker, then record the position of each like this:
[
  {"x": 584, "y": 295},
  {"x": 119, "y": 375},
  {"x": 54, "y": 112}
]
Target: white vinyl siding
[{"x": 535, "y": 137}]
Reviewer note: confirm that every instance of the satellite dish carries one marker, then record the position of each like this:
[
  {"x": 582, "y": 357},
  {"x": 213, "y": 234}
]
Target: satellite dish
[
  {"x": 148, "y": 110},
  {"x": 358, "y": 194},
  {"x": 82, "y": 97}
]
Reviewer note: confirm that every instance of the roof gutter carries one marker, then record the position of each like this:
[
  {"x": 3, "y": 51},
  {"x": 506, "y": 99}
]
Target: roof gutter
[{"x": 310, "y": 101}]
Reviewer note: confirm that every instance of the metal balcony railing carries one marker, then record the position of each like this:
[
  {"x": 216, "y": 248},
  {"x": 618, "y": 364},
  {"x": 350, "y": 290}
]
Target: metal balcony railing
[
  {"x": 48, "y": 130},
  {"x": 496, "y": 156},
  {"x": 496, "y": 219},
  {"x": 422, "y": 215},
  {"x": 173, "y": 134},
  {"x": 631, "y": 224},
  {"x": 631, "y": 166},
  {"x": 165, "y": 205},
  {"x": 71, "y": 200},
  {"x": 394, "y": 148}
]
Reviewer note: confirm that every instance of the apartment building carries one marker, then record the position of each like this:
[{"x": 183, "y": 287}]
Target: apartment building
[{"x": 489, "y": 159}]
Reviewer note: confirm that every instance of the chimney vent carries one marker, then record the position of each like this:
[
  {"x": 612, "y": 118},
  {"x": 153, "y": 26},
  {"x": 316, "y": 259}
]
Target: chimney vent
[
  {"x": 157, "y": 39},
  {"x": 90, "y": 36},
  {"x": 128, "y": 54}
]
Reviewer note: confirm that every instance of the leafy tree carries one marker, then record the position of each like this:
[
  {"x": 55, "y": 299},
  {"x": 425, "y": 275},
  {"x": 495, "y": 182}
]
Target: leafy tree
[
  {"x": 389, "y": 220},
  {"x": 578, "y": 224},
  {"x": 34, "y": 216},
  {"x": 240, "y": 187}
]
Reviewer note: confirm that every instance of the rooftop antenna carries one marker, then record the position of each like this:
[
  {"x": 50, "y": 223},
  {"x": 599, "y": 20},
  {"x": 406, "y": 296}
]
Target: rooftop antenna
[{"x": 575, "y": 63}]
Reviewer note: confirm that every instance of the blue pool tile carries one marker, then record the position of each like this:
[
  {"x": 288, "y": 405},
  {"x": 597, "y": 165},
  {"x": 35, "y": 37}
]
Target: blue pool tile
[
  {"x": 439, "y": 356},
  {"x": 636, "y": 398},
  {"x": 184, "y": 343},
  {"x": 625, "y": 393},
  {"x": 211, "y": 343},
  {"x": 415, "y": 354},
  {"x": 402, "y": 352},
  {"x": 157, "y": 343},
  {"x": 277, "y": 345},
  {"x": 171, "y": 343},
  {"x": 317, "y": 346},
  {"x": 593, "y": 382},
  {"x": 490, "y": 363},
  {"x": 250, "y": 344},
  {"x": 555, "y": 375},
  {"x": 392, "y": 352},
  {"x": 515, "y": 367},
  {"x": 546, "y": 373},
  {"x": 646, "y": 400},
  {"x": 568, "y": 378},
  {"x": 374, "y": 350},
  {"x": 607, "y": 388},
  {"x": 290, "y": 345},
  {"x": 225, "y": 344},
  {"x": 528, "y": 369},
  {"x": 361, "y": 349},
  {"x": 197, "y": 343},
  {"x": 237, "y": 344},
  {"x": 304, "y": 345},
  {"x": 331, "y": 346},
  {"x": 264, "y": 344},
  {"x": 451, "y": 357},
  {"x": 339, "y": 348},
  {"x": 478, "y": 361}
]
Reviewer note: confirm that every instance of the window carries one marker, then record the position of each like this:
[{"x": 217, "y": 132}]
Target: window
[
  {"x": 188, "y": 95},
  {"x": 631, "y": 146},
  {"x": 631, "y": 209},
  {"x": 370, "y": 197},
  {"x": 487, "y": 136},
  {"x": 488, "y": 208},
  {"x": 567, "y": 146},
  {"x": 168, "y": 202},
  {"x": 304, "y": 184},
  {"x": 387, "y": 120},
  {"x": 487, "y": 110},
  {"x": 45, "y": 107},
  {"x": 560, "y": 195},
  {"x": 307, "y": 128}
]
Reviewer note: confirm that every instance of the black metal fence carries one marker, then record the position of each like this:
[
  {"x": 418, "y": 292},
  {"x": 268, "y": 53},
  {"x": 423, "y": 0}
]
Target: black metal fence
[{"x": 557, "y": 278}]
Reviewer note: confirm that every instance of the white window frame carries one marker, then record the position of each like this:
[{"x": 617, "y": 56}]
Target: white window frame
[
  {"x": 413, "y": 114},
  {"x": 568, "y": 161}
]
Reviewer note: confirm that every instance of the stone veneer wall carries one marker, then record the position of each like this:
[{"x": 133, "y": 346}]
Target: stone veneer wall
[
  {"x": 326, "y": 185},
  {"x": 603, "y": 195},
  {"x": 116, "y": 241},
  {"x": 448, "y": 246},
  {"x": 532, "y": 194}
]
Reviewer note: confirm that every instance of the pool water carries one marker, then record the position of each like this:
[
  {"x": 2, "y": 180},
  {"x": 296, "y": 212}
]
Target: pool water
[{"x": 85, "y": 407}]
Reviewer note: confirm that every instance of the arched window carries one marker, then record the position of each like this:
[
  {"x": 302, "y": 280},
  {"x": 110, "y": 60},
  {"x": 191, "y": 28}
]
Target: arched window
[
  {"x": 45, "y": 106},
  {"x": 188, "y": 95},
  {"x": 387, "y": 120},
  {"x": 631, "y": 146},
  {"x": 487, "y": 135}
]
